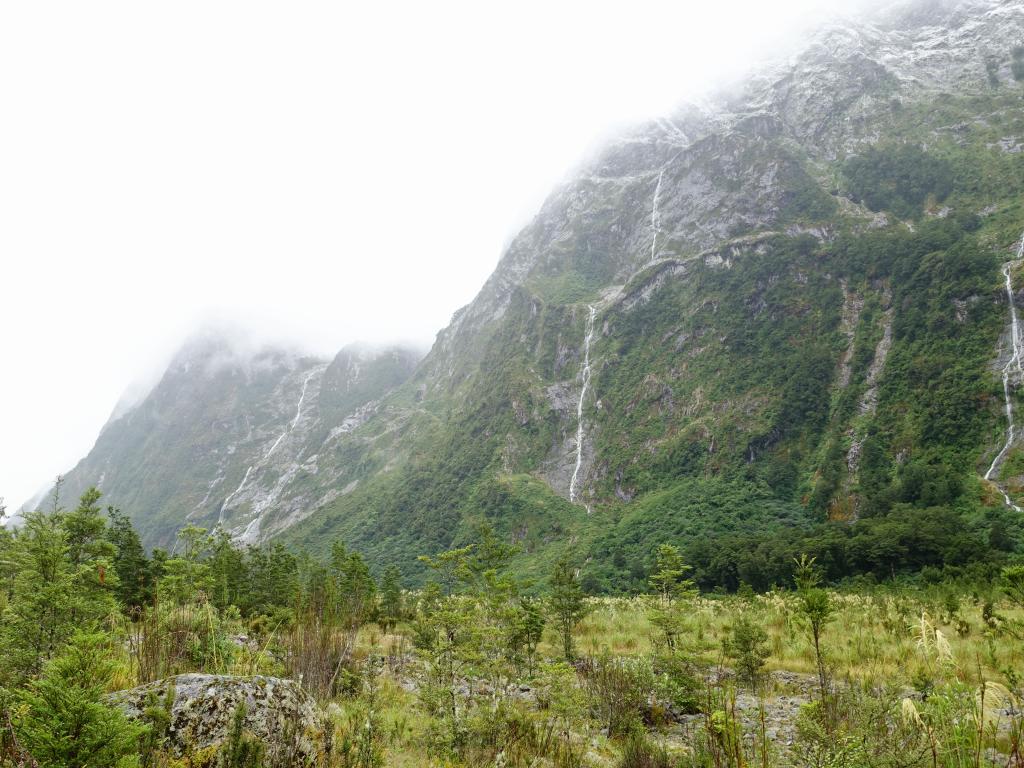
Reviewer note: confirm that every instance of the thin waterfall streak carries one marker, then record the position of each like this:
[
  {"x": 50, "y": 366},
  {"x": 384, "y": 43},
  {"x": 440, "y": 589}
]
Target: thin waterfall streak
[
  {"x": 241, "y": 485},
  {"x": 585, "y": 375},
  {"x": 655, "y": 216},
  {"x": 671, "y": 129},
  {"x": 1016, "y": 355},
  {"x": 298, "y": 415},
  {"x": 267, "y": 455},
  {"x": 1015, "y": 325}
]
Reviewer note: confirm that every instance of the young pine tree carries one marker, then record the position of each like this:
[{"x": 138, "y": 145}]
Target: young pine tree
[
  {"x": 567, "y": 603},
  {"x": 356, "y": 589},
  {"x": 816, "y": 610},
  {"x": 188, "y": 576},
  {"x": 63, "y": 720},
  {"x": 136, "y": 585},
  {"x": 91, "y": 557},
  {"x": 450, "y": 637},
  {"x": 747, "y": 646},
  {"x": 229, "y": 579},
  {"x": 390, "y": 598},
  {"x": 527, "y": 630},
  {"x": 44, "y": 601},
  {"x": 669, "y": 583},
  {"x": 84, "y": 528}
]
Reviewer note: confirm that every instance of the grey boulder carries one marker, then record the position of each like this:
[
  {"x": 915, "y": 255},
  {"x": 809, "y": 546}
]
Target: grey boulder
[{"x": 278, "y": 712}]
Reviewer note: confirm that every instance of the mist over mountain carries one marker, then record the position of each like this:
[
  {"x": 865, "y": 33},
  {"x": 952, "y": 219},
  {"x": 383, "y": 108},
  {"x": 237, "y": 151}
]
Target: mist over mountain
[
  {"x": 238, "y": 428},
  {"x": 777, "y": 309}
]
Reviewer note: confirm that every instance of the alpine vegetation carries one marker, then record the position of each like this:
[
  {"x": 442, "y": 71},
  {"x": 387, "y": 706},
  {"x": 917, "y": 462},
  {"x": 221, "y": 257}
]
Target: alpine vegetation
[{"x": 722, "y": 466}]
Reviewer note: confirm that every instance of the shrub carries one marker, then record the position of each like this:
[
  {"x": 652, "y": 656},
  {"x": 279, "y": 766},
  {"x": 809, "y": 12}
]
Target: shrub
[
  {"x": 677, "y": 683},
  {"x": 748, "y": 648},
  {"x": 240, "y": 750},
  {"x": 640, "y": 752},
  {"x": 62, "y": 719},
  {"x": 620, "y": 690}
]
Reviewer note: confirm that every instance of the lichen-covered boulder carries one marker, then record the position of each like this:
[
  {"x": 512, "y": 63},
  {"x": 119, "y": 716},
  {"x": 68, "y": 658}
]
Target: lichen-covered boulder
[{"x": 278, "y": 712}]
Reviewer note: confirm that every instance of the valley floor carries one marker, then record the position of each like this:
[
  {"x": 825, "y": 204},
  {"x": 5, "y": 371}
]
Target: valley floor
[
  {"x": 904, "y": 674},
  {"x": 891, "y": 657}
]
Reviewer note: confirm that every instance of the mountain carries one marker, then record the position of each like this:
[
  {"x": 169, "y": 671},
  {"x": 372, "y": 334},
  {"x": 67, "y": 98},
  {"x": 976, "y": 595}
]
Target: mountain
[
  {"x": 236, "y": 436},
  {"x": 775, "y": 312}
]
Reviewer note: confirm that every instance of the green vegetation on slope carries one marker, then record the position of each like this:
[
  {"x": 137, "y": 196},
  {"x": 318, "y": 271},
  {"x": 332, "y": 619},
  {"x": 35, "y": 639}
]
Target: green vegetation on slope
[{"x": 765, "y": 395}]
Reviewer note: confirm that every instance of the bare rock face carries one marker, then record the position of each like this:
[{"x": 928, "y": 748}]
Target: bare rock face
[{"x": 278, "y": 712}]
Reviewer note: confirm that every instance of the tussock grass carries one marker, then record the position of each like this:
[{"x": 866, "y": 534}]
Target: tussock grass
[{"x": 873, "y": 639}]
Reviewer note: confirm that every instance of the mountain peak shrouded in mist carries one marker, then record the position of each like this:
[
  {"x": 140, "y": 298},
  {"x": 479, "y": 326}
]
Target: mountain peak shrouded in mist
[
  {"x": 756, "y": 363},
  {"x": 229, "y": 420},
  {"x": 707, "y": 328}
]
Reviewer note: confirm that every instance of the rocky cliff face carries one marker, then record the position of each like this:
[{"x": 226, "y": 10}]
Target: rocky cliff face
[
  {"x": 240, "y": 439},
  {"x": 741, "y": 333},
  {"x": 722, "y": 303}
]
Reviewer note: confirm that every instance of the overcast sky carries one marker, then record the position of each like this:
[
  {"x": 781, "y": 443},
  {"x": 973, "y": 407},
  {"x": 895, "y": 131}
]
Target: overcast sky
[{"x": 324, "y": 172}]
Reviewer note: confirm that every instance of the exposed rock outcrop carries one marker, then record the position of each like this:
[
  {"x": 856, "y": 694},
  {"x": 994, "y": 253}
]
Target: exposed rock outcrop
[{"x": 278, "y": 712}]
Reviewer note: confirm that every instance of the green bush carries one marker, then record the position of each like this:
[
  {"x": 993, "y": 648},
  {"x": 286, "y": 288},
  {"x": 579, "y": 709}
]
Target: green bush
[
  {"x": 62, "y": 720},
  {"x": 748, "y": 648},
  {"x": 898, "y": 179},
  {"x": 640, "y": 752},
  {"x": 620, "y": 690},
  {"x": 240, "y": 750}
]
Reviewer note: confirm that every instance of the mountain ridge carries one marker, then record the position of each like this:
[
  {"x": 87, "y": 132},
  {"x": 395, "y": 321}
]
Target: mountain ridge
[
  {"x": 247, "y": 411},
  {"x": 722, "y": 300}
]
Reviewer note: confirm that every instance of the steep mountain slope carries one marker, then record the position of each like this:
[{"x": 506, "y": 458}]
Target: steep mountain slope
[
  {"x": 240, "y": 439},
  {"x": 788, "y": 297},
  {"x": 780, "y": 315}
]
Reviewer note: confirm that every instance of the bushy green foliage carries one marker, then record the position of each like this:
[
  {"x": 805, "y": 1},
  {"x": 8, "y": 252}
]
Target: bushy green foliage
[
  {"x": 816, "y": 611},
  {"x": 240, "y": 750},
  {"x": 135, "y": 577},
  {"x": 898, "y": 178},
  {"x": 356, "y": 588},
  {"x": 640, "y": 752},
  {"x": 620, "y": 689},
  {"x": 748, "y": 649},
  {"x": 51, "y": 596},
  {"x": 61, "y": 718},
  {"x": 567, "y": 603},
  {"x": 671, "y": 587},
  {"x": 692, "y": 510},
  {"x": 391, "y": 603},
  {"x": 903, "y": 541}
]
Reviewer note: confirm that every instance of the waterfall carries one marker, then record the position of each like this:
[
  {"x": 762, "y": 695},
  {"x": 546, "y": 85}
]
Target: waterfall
[
  {"x": 291, "y": 426},
  {"x": 671, "y": 129},
  {"x": 655, "y": 216},
  {"x": 298, "y": 414},
  {"x": 1014, "y": 361},
  {"x": 585, "y": 375},
  {"x": 241, "y": 485}
]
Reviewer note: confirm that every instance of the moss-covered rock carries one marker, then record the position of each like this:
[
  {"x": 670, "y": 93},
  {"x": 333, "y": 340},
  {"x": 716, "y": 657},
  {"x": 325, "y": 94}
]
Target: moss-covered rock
[{"x": 278, "y": 713}]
